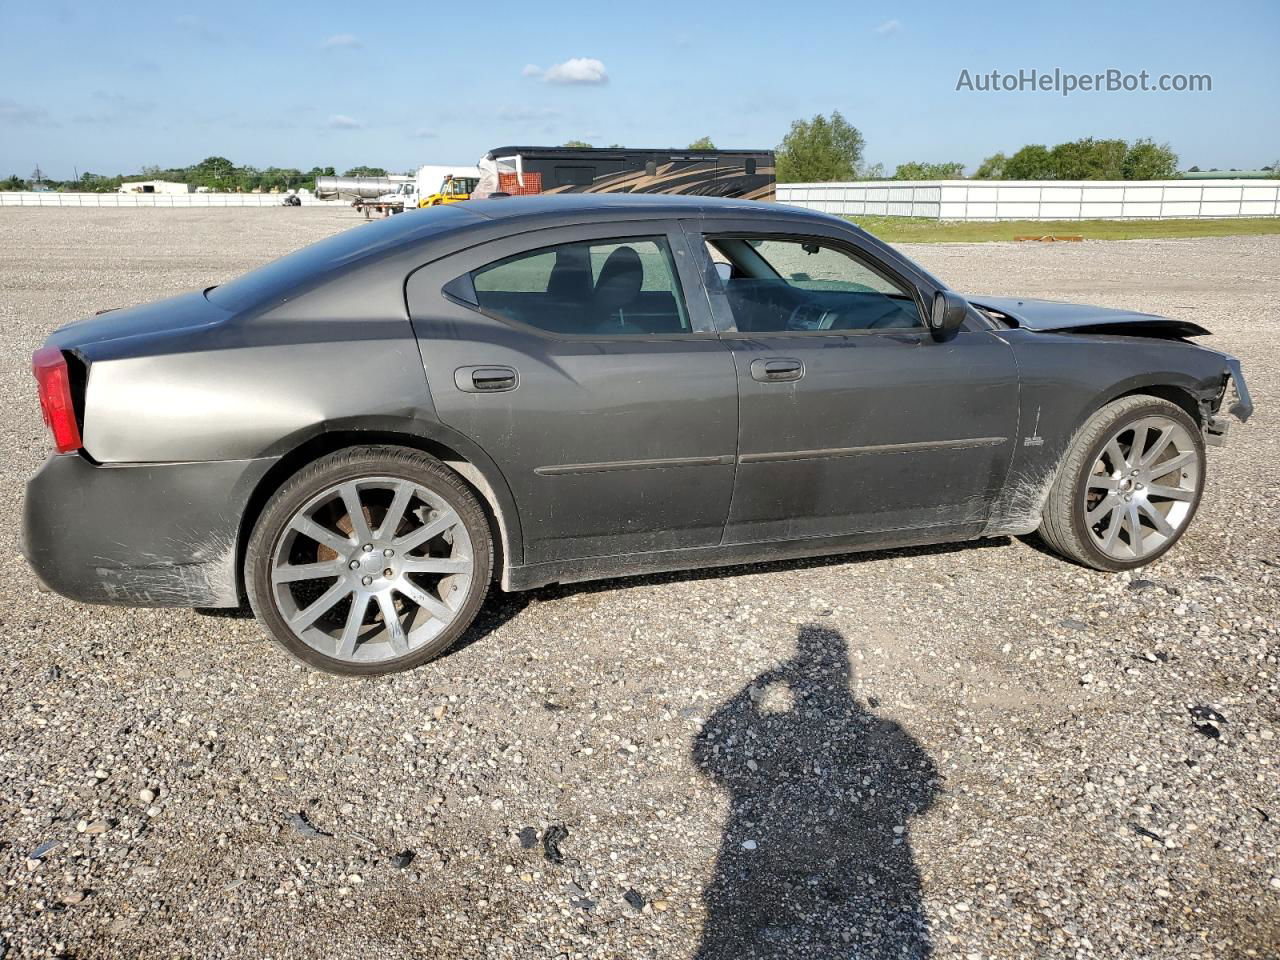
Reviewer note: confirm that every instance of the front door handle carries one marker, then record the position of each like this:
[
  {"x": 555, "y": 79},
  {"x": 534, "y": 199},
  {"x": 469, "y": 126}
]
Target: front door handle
[
  {"x": 777, "y": 370},
  {"x": 486, "y": 379}
]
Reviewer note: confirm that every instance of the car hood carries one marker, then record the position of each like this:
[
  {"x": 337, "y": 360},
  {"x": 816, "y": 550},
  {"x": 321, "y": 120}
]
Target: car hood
[{"x": 1053, "y": 315}]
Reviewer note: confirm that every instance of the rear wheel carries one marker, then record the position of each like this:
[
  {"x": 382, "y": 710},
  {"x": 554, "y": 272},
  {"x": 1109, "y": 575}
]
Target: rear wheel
[
  {"x": 1129, "y": 486},
  {"x": 369, "y": 561}
]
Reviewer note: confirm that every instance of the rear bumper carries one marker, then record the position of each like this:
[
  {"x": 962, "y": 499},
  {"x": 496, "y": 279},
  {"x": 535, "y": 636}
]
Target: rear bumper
[{"x": 155, "y": 535}]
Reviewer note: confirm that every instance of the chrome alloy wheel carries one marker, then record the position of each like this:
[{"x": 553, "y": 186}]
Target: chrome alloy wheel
[
  {"x": 1142, "y": 488},
  {"x": 371, "y": 569}
]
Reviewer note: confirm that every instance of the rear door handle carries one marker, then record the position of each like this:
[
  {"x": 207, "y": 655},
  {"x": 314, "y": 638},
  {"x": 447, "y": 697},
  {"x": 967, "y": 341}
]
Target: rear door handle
[
  {"x": 777, "y": 370},
  {"x": 486, "y": 379}
]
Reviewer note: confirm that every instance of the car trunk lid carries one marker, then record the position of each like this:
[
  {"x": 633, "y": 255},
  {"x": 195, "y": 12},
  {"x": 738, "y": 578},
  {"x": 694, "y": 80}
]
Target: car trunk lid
[{"x": 109, "y": 330}]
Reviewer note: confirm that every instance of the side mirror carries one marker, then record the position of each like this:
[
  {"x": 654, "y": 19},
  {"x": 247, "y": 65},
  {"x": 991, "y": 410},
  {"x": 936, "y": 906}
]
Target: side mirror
[{"x": 948, "y": 313}]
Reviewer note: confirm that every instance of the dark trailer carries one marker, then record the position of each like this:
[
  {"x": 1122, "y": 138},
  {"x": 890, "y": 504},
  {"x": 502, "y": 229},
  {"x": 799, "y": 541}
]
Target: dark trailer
[{"x": 518, "y": 171}]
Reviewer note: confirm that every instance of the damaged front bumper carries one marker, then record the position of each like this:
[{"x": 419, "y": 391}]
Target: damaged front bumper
[
  {"x": 155, "y": 534},
  {"x": 1216, "y": 424}
]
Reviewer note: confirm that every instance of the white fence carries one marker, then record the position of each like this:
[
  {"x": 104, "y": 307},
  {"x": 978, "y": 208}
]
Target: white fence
[
  {"x": 53, "y": 198},
  {"x": 1040, "y": 199}
]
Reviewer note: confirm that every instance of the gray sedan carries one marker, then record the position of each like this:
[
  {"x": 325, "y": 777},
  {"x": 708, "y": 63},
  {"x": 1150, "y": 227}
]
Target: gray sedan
[{"x": 362, "y": 438}]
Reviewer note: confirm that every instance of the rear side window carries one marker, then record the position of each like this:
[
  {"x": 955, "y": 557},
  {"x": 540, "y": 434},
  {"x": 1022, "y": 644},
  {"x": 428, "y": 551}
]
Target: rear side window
[
  {"x": 806, "y": 286},
  {"x": 588, "y": 288}
]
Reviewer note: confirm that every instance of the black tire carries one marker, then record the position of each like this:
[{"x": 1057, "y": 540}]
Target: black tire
[
  {"x": 354, "y": 464},
  {"x": 1063, "y": 526}
]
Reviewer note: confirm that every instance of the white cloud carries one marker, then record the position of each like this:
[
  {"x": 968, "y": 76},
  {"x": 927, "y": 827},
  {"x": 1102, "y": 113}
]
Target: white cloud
[
  {"x": 422, "y": 133},
  {"x": 889, "y": 26},
  {"x": 577, "y": 71},
  {"x": 340, "y": 121},
  {"x": 346, "y": 40}
]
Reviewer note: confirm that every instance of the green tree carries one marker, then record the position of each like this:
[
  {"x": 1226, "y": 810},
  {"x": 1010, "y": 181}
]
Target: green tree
[
  {"x": 366, "y": 172},
  {"x": 92, "y": 183},
  {"x": 992, "y": 168},
  {"x": 819, "y": 150},
  {"x": 14, "y": 182},
  {"x": 1147, "y": 160},
  {"x": 283, "y": 178},
  {"x": 1032, "y": 162},
  {"x": 1084, "y": 159},
  {"x": 1088, "y": 159},
  {"x": 211, "y": 172},
  {"x": 702, "y": 143},
  {"x": 578, "y": 144},
  {"x": 929, "y": 171}
]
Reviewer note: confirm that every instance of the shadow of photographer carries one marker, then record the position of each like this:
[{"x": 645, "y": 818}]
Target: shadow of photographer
[{"x": 816, "y": 858}]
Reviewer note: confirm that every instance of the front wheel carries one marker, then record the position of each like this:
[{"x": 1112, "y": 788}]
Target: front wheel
[
  {"x": 369, "y": 561},
  {"x": 1129, "y": 486}
]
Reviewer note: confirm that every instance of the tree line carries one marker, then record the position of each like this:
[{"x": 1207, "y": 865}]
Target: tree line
[
  {"x": 215, "y": 173},
  {"x": 825, "y": 150}
]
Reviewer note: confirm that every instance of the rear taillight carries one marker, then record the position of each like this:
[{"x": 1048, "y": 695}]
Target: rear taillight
[{"x": 50, "y": 368}]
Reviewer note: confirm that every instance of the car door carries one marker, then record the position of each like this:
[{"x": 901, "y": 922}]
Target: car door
[
  {"x": 852, "y": 417},
  {"x": 585, "y": 362}
]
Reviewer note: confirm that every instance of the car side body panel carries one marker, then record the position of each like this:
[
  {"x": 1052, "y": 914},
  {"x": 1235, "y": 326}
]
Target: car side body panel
[{"x": 243, "y": 389}]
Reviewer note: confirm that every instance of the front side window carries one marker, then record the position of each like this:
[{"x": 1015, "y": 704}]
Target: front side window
[
  {"x": 807, "y": 286},
  {"x": 587, "y": 288}
]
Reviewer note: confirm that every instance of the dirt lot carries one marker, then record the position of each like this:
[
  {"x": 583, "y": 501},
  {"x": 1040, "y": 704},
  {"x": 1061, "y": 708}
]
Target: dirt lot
[{"x": 971, "y": 752}]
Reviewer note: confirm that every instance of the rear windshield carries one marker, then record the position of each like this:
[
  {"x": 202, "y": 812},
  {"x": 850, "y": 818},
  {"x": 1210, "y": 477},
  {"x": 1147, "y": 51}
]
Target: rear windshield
[{"x": 281, "y": 279}]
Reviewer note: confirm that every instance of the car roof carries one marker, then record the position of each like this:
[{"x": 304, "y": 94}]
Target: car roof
[{"x": 573, "y": 208}]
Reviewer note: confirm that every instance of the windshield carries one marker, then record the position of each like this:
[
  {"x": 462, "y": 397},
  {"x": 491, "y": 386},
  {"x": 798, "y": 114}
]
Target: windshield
[{"x": 282, "y": 279}]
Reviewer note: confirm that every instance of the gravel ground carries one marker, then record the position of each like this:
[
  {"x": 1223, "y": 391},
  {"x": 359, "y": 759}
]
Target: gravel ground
[{"x": 976, "y": 751}]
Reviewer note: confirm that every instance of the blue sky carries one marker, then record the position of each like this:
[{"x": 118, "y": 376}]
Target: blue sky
[{"x": 111, "y": 87}]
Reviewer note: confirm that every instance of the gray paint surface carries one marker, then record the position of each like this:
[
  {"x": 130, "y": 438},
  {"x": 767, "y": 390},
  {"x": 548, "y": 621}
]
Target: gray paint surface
[{"x": 612, "y": 455}]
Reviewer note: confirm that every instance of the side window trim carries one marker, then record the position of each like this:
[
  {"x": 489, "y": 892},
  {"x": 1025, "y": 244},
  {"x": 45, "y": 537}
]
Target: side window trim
[
  {"x": 463, "y": 290},
  {"x": 713, "y": 295},
  {"x": 689, "y": 286},
  {"x": 729, "y": 327}
]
